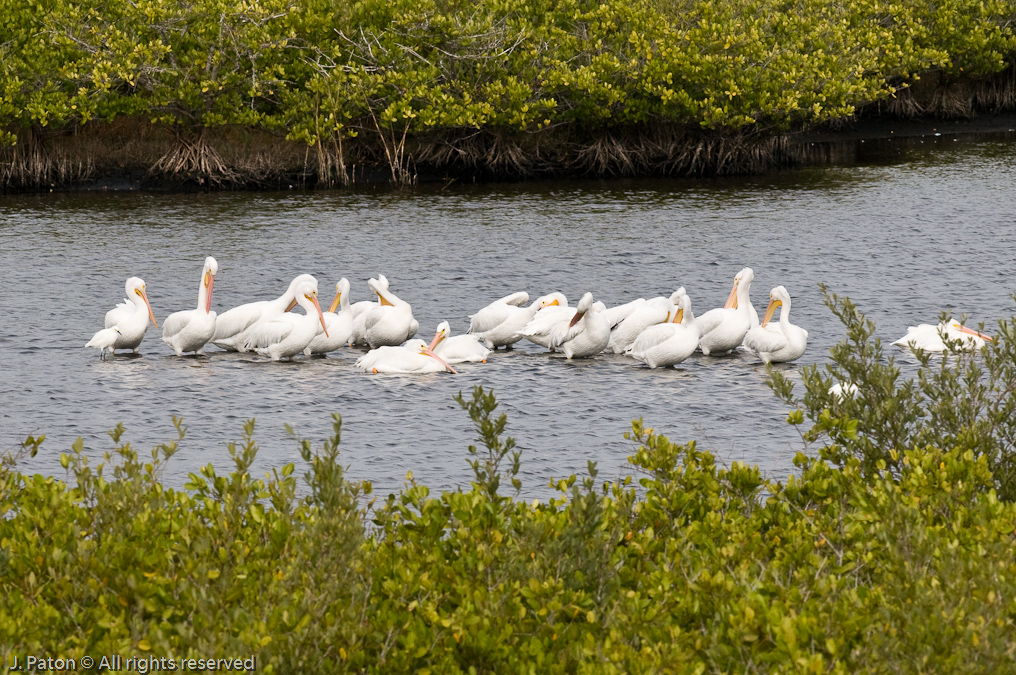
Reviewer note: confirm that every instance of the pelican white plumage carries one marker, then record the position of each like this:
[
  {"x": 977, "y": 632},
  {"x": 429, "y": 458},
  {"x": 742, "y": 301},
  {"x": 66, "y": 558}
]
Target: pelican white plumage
[
  {"x": 458, "y": 349},
  {"x": 288, "y": 334},
  {"x": 723, "y": 329},
  {"x": 233, "y": 327},
  {"x": 586, "y": 333},
  {"x": 651, "y": 312},
  {"x": 191, "y": 329},
  {"x": 338, "y": 324},
  {"x": 360, "y": 311},
  {"x": 777, "y": 342},
  {"x": 538, "y": 329},
  {"x": 104, "y": 340},
  {"x": 668, "y": 344},
  {"x": 615, "y": 315},
  {"x": 930, "y": 338},
  {"x": 130, "y": 317},
  {"x": 391, "y": 322},
  {"x": 500, "y": 323},
  {"x": 412, "y": 358}
]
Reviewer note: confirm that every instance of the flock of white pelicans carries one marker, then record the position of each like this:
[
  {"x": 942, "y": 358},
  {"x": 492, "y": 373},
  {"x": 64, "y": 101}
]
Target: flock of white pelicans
[{"x": 659, "y": 332}]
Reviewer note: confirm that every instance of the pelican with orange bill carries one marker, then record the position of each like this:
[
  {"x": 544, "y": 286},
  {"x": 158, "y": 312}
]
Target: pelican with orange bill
[
  {"x": 131, "y": 317},
  {"x": 191, "y": 329},
  {"x": 950, "y": 334},
  {"x": 778, "y": 342},
  {"x": 290, "y": 334}
]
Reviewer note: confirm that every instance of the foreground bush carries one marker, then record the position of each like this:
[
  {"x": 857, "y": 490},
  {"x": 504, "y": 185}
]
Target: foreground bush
[{"x": 897, "y": 563}]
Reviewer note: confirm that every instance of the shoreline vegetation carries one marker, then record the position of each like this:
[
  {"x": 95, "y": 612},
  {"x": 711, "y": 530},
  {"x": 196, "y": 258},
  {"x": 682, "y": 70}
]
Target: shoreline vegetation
[
  {"x": 213, "y": 95},
  {"x": 890, "y": 551}
]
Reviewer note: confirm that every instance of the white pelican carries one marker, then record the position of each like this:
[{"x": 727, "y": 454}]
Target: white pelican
[
  {"x": 391, "y": 322},
  {"x": 586, "y": 334},
  {"x": 929, "y": 338},
  {"x": 339, "y": 325},
  {"x": 130, "y": 317},
  {"x": 360, "y": 311},
  {"x": 668, "y": 344},
  {"x": 651, "y": 312},
  {"x": 233, "y": 326},
  {"x": 554, "y": 313},
  {"x": 777, "y": 342},
  {"x": 104, "y": 339},
  {"x": 458, "y": 349},
  {"x": 722, "y": 330},
  {"x": 191, "y": 329},
  {"x": 288, "y": 334},
  {"x": 499, "y": 323},
  {"x": 412, "y": 358}
]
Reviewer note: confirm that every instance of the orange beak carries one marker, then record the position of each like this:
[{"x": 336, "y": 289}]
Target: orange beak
[
  {"x": 731, "y": 302},
  {"x": 381, "y": 300},
  {"x": 679, "y": 315},
  {"x": 335, "y": 303},
  {"x": 770, "y": 310},
  {"x": 429, "y": 352},
  {"x": 971, "y": 331},
  {"x": 291, "y": 305},
  {"x": 151, "y": 314},
  {"x": 209, "y": 283},
  {"x": 438, "y": 337},
  {"x": 313, "y": 298}
]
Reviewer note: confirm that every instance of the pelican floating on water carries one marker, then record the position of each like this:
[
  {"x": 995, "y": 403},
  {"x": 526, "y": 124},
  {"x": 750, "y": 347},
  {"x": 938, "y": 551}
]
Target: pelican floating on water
[
  {"x": 129, "y": 317},
  {"x": 500, "y": 323},
  {"x": 233, "y": 326},
  {"x": 391, "y": 322},
  {"x": 586, "y": 334},
  {"x": 777, "y": 342},
  {"x": 538, "y": 330},
  {"x": 723, "y": 329},
  {"x": 668, "y": 344},
  {"x": 929, "y": 338},
  {"x": 289, "y": 334},
  {"x": 338, "y": 324},
  {"x": 412, "y": 358},
  {"x": 458, "y": 349},
  {"x": 650, "y": 312},
  {"x": 191, "y": 329}
]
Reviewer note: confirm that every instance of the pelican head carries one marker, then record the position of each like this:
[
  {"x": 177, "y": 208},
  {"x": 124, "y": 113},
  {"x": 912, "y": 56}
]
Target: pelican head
[
  {"x": 422, "y": 347},
  {"x": 778, "y": 297},
  {"x": 585, "y": 304},
  {"x": 135, "y": 286},
  {"x": 742, "y": 278},
  {"x": 293, "y": 291},
  {"x": 307, "y": 297},
  {"x": 957, "y": 326},
  {"x": 551, "y": 300},
  {"x": 443, "y": 329},
  {"x": 677, "y": 295},
  {"x": 341, "y": 289},
  {"x": 380, "y": 287}
]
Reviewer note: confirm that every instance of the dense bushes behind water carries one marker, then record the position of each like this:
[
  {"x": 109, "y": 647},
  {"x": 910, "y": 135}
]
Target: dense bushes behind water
[
  {"x": 891, "y": 551},
  {"x": 453, "y": 83}
]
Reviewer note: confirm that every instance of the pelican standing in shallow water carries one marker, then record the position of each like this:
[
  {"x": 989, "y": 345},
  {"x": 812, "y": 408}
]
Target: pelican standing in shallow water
[
  {"x": 586, "y": 334},
  {"x": 723, "y": 329},
  {"x": 929, "y": 338},
  {"x": 649, "y": 313},
  {"x": 191, "y": 329},
  {"x": 233, "y": 326},
  {"x": 500, "y": 323},
  {"x": 777, "y": 342},
  {"x": 412, "y": 358},
  {"x": 668, "y": 344},
  {"x": 339, "y": 324},
  {"x": 129, "y": 317},
  {"x": 391, "y": 322},
  {"x": 458, "y": 349},
  {"x": 288, "y": 334}
]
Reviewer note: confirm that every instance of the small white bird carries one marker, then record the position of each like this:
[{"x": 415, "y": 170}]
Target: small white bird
[
  {"x": 339, "y": 324},
  {"x": 391, "y": 322},
  {"x": 651, "y": 312},
  {"x": 777, "y": 342},
  {"x": 288, "y": 334},
  {"x": 458, "y": 349},
  {"x": 499, "y": 323},
  {"x": 191, "y": 329},
  {"x": 668, "y": 344},
  {"x": 412, "y": 358},
  {"x": 723, "y": 329},
  {"x": 929, "y": 338},
  {"x": 232, "y": 327},
  {"x": 131, "y": 317},
  {"x": 104, "y": 339},
  {"x": 586, "y": 334}
]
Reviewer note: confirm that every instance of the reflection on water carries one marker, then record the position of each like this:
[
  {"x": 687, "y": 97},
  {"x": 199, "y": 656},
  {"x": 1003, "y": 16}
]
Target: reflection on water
[{"x": 930, "y": 230}]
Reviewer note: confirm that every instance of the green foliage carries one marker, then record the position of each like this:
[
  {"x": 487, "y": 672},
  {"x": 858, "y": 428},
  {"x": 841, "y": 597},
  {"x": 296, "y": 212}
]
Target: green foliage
[{"x": 692, "y": 568}]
